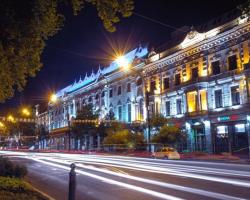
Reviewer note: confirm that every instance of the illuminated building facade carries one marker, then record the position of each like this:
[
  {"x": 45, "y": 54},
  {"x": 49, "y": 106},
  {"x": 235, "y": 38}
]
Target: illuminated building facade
[{"x": 201, "y": 83}]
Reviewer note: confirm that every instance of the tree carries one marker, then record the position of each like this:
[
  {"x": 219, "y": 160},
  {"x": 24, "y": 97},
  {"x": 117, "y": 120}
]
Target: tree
[
  {"x": 87, "y": 128},
  {"x": 25, "y": 27},
  {"x": 158, "y": 121},
  {"x": 119, "y": 135},
  {"x": 168, "y": 135}
]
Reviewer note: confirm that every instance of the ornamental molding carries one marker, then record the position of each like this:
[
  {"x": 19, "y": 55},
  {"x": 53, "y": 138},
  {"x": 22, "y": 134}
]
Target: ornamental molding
[{"x": 207, "y": 45}]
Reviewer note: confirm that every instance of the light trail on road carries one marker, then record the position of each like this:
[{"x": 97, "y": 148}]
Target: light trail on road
[{"x": 199, "y": 179}]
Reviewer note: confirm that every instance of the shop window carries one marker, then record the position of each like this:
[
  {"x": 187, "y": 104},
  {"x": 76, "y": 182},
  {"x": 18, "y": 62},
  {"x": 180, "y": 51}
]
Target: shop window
[
  {"x": 218, "y": 98},
  {"x": 203, "y": 99},
  {"x": 240, "y": 128},
  {"x": 177, "y": 79},
  {"x": 216, "y": 67},
  {"x": 110, "y": 93},
  {"x": 192, "y": 101},
  {"x": 222, "y": 131},
  {"x": 129, "y": 87},
  {"x": 119, "y": 91},
  {"x": 152, "y": 86},
  {"x": 232, "y": 62},
  {"x": 166, "y": 83},
  {"x": 195, "y": 73},
  {"x": 178, "y": 106},
  {"x": 235, "y": 95},
  {"x": 167, "y": 108}
]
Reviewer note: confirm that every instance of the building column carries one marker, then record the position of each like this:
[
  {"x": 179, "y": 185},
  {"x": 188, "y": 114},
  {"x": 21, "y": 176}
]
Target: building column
[
  {"x": 91, "y": 141},
  {"x": 208, "y": 134},
  {"x": 190, "y": 139},
  {"x": 98, "y": 141}
]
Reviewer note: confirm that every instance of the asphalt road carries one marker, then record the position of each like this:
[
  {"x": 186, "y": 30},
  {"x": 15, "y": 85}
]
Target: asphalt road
[{"x": 121, "y": 178}]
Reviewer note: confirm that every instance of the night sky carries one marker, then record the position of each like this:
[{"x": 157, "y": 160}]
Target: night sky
[{"x": 83, "y": 44}]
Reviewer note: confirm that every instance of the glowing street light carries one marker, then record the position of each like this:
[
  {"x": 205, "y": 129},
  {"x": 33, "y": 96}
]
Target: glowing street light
[
  {"x": 26, "y": 112},
  {"x": 122, "y": 62},
  {"x": 2, "y": 125},
  {"x": 10, "y": 118},
  {"x": 53, "y": 98}
]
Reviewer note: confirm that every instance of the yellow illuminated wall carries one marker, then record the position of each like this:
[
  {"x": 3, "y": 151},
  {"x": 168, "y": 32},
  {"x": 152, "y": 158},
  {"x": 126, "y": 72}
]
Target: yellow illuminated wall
[
  {"x": 203, "y": 99},
  {"x": 245, "y": 52},
  {"x": 192, "y": 101}
]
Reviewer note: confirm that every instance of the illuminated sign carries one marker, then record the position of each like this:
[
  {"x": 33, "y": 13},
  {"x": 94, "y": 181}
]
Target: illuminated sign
[{"x": 227, "y": 118}]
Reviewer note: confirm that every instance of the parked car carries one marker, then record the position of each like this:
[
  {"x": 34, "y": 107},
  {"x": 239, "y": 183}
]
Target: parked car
[{"x": 166, "y": 153}]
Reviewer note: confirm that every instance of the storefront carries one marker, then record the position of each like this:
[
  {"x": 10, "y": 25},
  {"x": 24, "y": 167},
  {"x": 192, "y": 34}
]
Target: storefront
[{"x": 230, "y": 134}]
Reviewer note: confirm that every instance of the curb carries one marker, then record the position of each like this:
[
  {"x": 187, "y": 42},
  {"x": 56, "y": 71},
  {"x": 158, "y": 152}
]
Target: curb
[{"x": 41, "y": 192}]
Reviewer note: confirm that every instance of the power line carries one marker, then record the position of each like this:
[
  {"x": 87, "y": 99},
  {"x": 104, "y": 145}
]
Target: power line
[{"x": 158, "y": 22}]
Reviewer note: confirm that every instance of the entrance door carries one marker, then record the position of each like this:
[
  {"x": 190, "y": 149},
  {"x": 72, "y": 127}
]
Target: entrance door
[
  {"x": 200, "y": 139},
  {"x": 240, "y": 139},
  {"x": 221, "y": 139}
]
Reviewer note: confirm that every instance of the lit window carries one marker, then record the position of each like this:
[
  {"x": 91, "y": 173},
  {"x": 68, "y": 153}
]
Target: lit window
[
  {"x": 129, "y": 112},
  {"x": 192, "y": 101},
  {"x": 240, "y": 128},
  {"x": 222, "y": 131},
  {"x": 203, "y": 98}
]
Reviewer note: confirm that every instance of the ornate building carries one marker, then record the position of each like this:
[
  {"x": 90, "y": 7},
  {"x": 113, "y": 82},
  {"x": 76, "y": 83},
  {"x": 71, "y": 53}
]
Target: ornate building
[{"x": 199, "y": 81}]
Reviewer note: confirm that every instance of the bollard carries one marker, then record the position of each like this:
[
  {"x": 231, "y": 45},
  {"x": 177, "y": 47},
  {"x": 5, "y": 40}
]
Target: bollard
[{"x": 72, "y": 183}]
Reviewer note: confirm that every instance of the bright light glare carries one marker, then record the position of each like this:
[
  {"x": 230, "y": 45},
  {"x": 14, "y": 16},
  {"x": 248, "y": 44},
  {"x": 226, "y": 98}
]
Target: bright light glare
[
  {"x": 11, "y": 118},
  {"x": 26, "y": 112},
  {"x": 122, "y": 62},
  {"x": 1, "y": 124},
  {"x": 53, "y": 98}
]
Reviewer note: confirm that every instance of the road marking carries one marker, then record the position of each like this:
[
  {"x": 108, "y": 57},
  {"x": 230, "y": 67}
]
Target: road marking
[{"x": 117, "y": 183}]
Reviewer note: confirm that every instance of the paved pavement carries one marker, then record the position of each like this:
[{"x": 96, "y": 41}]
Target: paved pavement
[{"x": 118, "y": 177}]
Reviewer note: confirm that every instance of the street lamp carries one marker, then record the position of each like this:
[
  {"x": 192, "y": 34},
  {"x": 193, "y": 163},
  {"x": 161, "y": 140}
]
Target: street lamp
[
  {"x": 25, "y": 112},
  {"x": 53, "y": 98},
  {"x": 122, "y": 62},
  {"x": 10, "y": 118}
]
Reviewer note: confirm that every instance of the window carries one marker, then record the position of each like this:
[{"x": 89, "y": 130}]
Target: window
[
  {"x": 129, "y": 87},
  {"x": 222, "y": 131},
  {"x": 232, "y": 62},
  {"x": 139, "y": 82},
  {"x": 192, "y": 101},
  {"x": 203, "y": 99},
  {"x": 141, "y": 109},
  {"x": 97, "y": 96},
  {"x": 218, "y": 98},
  {"x": 195, "y": 73},
  {"x": 177, "y": 79},
  {"x": 129, "y": 112},
  {"x": 152, "y": 86},
  {"x": 120, "y": 113},
  {"x": 178, "y": 106},
  {"x": 235, "y": 95},
  {"x": 90, "y": 99},
  {"x": 119, "y": 92},
  {"x": 167, "y": 108},
  {"x": 240, "y": 128},
  {"x": 103, "y": 93},
  {"x": 215, "y": 67},
  {"x": 110, "y": 93},
  {"x": 166, "y": 83}
]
